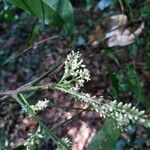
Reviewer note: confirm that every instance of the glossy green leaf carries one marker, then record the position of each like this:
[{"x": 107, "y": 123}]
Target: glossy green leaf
[
  {"x": 58, "y": 12},
  {"x": 106, "y": 137}
]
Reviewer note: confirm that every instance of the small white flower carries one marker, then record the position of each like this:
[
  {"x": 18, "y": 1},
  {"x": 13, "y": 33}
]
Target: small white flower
[
  {"x": 34, "y": 138},
  {"x": 41, "y": 105},
  {"x": 75, "y": 69},
  {"x": 75, "y": 76}
]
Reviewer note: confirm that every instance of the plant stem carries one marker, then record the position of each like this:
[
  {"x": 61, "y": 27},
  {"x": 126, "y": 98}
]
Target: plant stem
[
  {"x": 121, "y": 5},
  {"x": 69, "y": 120},
  {"x": 65, "y": 107},
  {"x": 37, "y": 80},
  {"x": 28, "y": 89},
  {"x": 27, "y": 108}
]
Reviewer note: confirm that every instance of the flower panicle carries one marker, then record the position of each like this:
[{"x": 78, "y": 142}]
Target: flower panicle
[
  {"x": 123, "y": 114},
  {"x": 33, "y": 139},
  {"x": 75, "y": 76},
  {"x": 40, "y": 105},
  {"x": 76, "y": 73}
]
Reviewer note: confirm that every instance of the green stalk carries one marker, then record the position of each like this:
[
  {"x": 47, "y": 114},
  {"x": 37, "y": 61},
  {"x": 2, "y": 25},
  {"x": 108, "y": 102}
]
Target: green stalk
[{"x": 25, "y": 105}]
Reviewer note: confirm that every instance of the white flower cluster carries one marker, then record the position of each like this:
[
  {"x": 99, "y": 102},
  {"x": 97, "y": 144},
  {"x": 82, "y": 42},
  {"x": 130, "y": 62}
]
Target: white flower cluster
[
  {"x": 75, "y": 73},
  {"x": 33, "y": 140},
  {"x": 123, "y": 113},
  {"x": 40, "y": 105}
]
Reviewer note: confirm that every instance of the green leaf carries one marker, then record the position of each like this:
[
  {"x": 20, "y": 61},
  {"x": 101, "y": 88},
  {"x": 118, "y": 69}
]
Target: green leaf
[
  {"x": 110, "y": 55},
  {"x": 134, "y": 84},
  {"x": 114, "y": 83},
  {"x": 106, "y": 137},
  {"x": 7, "y": 60},
  {"x": 64, "y": 9},
  {"x": 145, "y": 11},
  {"x": 7, "y": 14},
  {"x": 57, "y": 12}
]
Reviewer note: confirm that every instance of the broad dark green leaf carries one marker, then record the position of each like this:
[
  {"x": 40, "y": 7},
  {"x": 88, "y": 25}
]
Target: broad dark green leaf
[
  {"x": 106, "y": 137},
  {"x": 110, "y": 55},
  {"x": 64, "y": 9},
  {"x": 58, "y": 12}
]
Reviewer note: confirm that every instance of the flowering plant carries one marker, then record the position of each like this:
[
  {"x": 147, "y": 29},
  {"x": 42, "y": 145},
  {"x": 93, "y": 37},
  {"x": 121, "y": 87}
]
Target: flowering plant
[{"x": 76, "y": 74}]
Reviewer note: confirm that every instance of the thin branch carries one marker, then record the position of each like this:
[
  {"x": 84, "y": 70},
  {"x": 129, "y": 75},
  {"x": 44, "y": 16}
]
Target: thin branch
[
  {"x": 51, "y": 71},
  {"x": 65, "y": 107},
  {"x": 28, "y": 89},
  {"x": 20, "y": 52},
  {"x": 101, "y": 37},
  {"x": 36, "y": 44},
  {"x": 69, "y": 120},
  {"x": 48, "y": 131},
  {"x": 121, "y": 5},
  {"x": 130, "y": 8}
]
